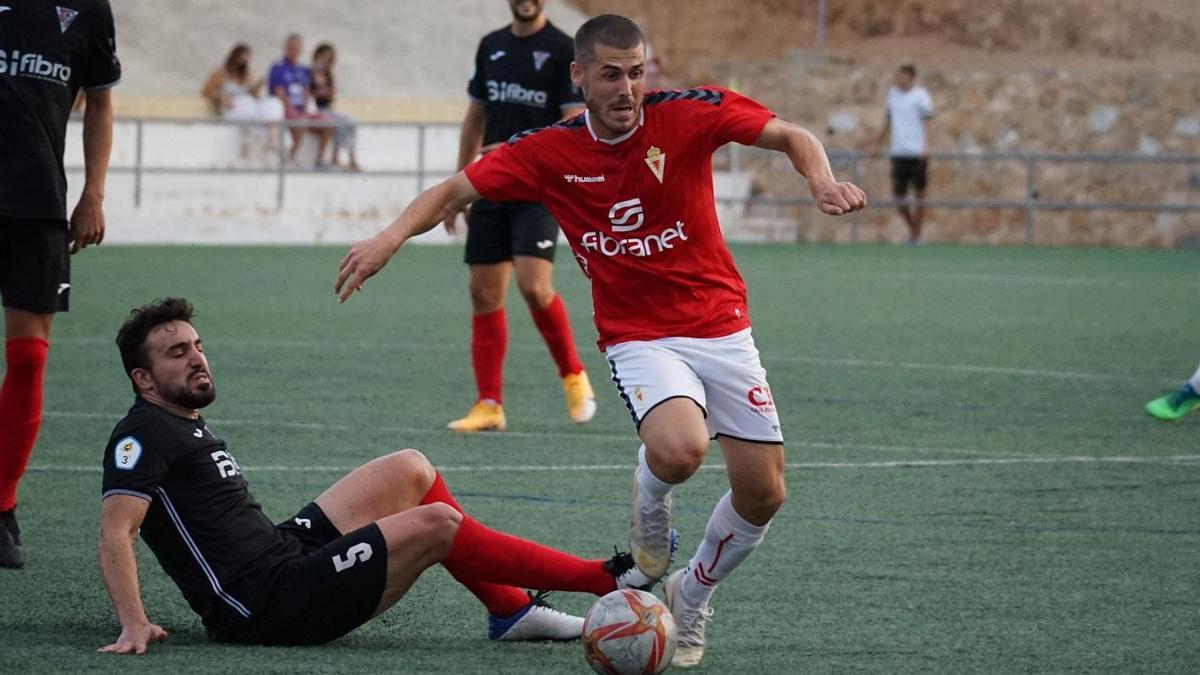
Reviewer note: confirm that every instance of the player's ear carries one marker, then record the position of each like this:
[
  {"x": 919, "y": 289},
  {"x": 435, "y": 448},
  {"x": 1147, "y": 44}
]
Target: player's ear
[
  {"x": 141, "y": 379},
  {"x": 577, "y": 74}
]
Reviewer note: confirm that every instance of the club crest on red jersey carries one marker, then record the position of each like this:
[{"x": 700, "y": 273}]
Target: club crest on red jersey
[{"x": 657, "y": 161}]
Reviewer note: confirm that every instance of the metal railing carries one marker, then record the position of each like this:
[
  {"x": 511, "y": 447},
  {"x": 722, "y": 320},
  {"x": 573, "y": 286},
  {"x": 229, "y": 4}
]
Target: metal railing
[
  {"x": 736, "y": 158},
  {"x": 850, "y": 163}
]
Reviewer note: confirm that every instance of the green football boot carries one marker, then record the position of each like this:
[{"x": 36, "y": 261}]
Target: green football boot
[{"x": 1172, "y": 407}]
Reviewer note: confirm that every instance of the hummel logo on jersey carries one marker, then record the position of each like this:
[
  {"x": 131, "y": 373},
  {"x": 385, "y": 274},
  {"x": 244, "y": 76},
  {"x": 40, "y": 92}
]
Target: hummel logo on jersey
[
  {"x": 539, "y": 59},
  {"x": 573, "y": 178},
  {"x": 66, "y": 17},
  {"x": 63, "y": 287},
  {"x": 28, "y": 64},
  {"x": 545, "y": 244},
  {"x": 621, "y": 213},
  {"x": 513, "y": 92},
  {"x": 497, "y": 55}
]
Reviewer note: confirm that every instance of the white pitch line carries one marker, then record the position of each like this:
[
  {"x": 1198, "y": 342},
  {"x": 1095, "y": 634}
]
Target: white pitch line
[
  {"x": 629, "y": 438},
  {"x": 1172, "y": 460},
  {"x": 975, "y": 369}
]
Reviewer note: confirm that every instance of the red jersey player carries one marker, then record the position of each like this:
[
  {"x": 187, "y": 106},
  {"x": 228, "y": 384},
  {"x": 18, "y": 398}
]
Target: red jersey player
[{"x": 630, "y": 183}]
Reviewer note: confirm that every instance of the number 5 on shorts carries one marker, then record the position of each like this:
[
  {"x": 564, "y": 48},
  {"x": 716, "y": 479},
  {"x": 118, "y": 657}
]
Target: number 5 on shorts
[{"x": 354, "y": 555}]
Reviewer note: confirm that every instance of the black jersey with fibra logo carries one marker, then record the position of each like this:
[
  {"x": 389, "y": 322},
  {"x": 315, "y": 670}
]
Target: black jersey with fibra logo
[
  {"x": 525, "y": 82},
  {"x": 203, "y": 525},
  {"x": 49, "y": 49}
]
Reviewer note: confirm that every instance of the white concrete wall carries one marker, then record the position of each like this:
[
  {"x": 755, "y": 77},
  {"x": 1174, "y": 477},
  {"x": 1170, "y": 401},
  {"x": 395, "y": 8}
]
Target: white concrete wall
[{"x": 204, "y": 206}]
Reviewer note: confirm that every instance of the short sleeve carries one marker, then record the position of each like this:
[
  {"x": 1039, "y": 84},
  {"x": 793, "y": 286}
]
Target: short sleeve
[
  {"x": 135, "y": 462},
  {"x": 476, "y": 87},
  {"x": 506, "y": 174},
  {"x": 738, "y": 119},
  {"x": 569, "y": 96},
  {"x": 103, "y": 67}
]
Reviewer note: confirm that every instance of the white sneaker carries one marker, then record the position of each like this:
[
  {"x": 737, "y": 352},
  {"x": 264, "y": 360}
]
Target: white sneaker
[
  {"x": 690, "y": 621},
  {"x": 650, "y": 533},
  {"x": 537, "y": 621}
]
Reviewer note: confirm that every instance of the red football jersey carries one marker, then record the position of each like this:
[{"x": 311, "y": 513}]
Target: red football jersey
[{"x": 639, "y": 211}]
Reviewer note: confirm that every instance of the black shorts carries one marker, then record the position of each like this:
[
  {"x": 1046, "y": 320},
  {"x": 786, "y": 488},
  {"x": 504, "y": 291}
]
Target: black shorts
[
  {"x": 498, "y": 231},
  {"x": 908, "y": 171},
  {"x": 331, "y": 588},
  {"x": 35, "y": 264}
]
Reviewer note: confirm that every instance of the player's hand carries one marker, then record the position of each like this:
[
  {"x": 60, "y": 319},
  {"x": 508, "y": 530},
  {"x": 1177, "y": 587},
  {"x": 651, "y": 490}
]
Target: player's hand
[
  {"x": 451, "y": 223},
  {"x": 87, "y": 223},
  {"x": 363, "y": 261},
  {"x": 837, "y": 199},
  {"x": 135, "y": 639}
]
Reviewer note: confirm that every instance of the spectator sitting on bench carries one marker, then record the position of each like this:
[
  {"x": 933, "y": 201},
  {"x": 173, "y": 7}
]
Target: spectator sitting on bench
[{"x": 289, "y": 82}]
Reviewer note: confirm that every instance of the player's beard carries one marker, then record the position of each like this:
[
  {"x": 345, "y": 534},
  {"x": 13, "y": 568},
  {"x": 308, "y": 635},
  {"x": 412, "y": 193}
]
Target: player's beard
[
  {"x": 192, "y": 397},
  {"x": 521, "y": 18}
]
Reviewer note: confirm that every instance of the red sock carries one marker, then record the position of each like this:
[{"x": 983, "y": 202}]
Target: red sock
[
  {"x": 482, "y": 553},
  {"x": 489, "y": 342},
  {"x": 555, "y": 328},
  {"x": 20, "y": 411},
  {"x": 499, "y": 600}
]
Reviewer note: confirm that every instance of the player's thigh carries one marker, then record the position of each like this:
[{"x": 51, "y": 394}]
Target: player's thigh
[
  {"x": 740, "y": 403},
  {"x": 534, "y": 230},
  {"x": 35, "y": 273},
  {"x": 416, "y": 540},
  {"x": 489, "y": 234},
  {"x": 377, "y": 489},
  {"x": 649, "y": 372},
  {"x": 321, "y": 596}
]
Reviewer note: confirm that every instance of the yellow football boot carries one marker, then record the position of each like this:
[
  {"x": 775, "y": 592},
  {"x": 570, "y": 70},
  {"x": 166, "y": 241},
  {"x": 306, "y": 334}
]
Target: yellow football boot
[
  {"x": 581, "y": 400},
  {"x": 486, "y": 415}
]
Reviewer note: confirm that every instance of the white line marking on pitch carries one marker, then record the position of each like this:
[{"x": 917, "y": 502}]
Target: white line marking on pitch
[
  {"x": 1172, "y": 460},
  {"x": 836, "y": 361},
  {"x": 629, "y": 438}
]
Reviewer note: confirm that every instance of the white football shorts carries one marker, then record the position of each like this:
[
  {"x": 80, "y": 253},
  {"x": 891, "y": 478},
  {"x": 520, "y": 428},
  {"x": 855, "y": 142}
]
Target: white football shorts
[{"x": 722, "y": 375}]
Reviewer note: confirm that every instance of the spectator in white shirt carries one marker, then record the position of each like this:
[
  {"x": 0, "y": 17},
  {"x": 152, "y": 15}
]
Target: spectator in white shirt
[{"x": 909, "y": 110}]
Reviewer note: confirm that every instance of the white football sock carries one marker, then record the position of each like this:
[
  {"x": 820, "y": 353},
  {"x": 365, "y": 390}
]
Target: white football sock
[
  {"x": 1195, "y": 381},
  {"x": 728, "y": 540},
  {"x": 648, "y": 483}
]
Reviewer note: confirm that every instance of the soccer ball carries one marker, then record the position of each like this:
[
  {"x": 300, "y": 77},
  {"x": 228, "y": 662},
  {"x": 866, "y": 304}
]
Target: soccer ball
[{"x": 628, "y": 632}]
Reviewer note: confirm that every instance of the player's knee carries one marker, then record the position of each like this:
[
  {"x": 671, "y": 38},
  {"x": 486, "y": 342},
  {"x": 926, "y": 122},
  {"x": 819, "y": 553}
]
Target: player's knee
[
  {"x": 440, "y": 523},
  {"x": 679, "y": 456},
  {"x": 537, "y": 294},
  {"x": 410, "y": 466},
  {"x": 485, "y": 297}
]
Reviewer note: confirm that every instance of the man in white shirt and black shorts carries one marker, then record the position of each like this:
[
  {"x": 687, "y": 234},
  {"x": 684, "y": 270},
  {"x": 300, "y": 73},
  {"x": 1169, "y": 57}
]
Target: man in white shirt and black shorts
[{"x": 909, "y": 109}]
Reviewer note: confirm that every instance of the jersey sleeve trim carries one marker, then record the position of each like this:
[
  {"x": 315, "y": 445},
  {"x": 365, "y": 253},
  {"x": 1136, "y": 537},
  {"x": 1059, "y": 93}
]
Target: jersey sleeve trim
[
  {"x": 129, "y": 493},
  {"x": 573, "y": 123},
  {"x": 710, "y": 96},
  {"x": 101, "y": 87}
]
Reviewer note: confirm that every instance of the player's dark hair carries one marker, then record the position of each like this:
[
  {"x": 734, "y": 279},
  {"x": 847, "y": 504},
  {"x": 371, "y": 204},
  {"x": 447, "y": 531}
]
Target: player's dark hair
[
  {"x": 908, "y": 68},
  {"x": 131, "y": 338},
  {"x": 609, "y": 30}
]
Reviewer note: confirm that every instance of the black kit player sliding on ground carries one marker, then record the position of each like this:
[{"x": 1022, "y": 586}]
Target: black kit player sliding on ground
[
  {"x": 521, "y": 80},
  {"x": 340, "y": 561},
  {"x": 630, "y": 182},
  {"x": 48, "y": 53}
]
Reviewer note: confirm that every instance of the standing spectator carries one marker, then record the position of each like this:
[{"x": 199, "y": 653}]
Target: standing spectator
[
  {"x": 290, "y": 82},
  {"x": 909, "y": 109},
  {"x": 521, "y": 80},
  {"x": 324, "y": 90},
  {"x": 235, "y": 94},
  {"x": 75, "y": 48}
]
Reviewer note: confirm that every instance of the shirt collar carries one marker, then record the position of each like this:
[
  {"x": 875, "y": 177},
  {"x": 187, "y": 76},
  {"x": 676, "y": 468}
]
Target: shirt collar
[{"x": 587, "y": 117}]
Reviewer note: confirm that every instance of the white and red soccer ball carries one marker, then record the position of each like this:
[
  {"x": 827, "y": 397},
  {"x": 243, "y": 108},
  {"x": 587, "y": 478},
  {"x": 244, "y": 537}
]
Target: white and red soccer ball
[{"x": 629, "y": 632}]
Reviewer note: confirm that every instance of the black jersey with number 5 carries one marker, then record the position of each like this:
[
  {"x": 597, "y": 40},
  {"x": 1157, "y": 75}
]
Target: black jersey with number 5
[
  {"x": 207, "y": 531},
  {"x": 525, "y": 82},
  {"x": 48, "y": 50}
]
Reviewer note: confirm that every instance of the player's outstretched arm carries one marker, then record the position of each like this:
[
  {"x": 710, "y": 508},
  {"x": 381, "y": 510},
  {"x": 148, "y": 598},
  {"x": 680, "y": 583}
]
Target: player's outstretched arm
[
  {"x": 430, "y": 207},
  {"x": 809, "y": 158},
  {"x": 120, "y": 518}
]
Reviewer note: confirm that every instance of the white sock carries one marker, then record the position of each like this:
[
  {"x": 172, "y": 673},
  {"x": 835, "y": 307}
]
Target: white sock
[
  {"x": 1195, "y": 381},
  {"x": 728, "y": 540},
  {"x": 648, "y": 483}
]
